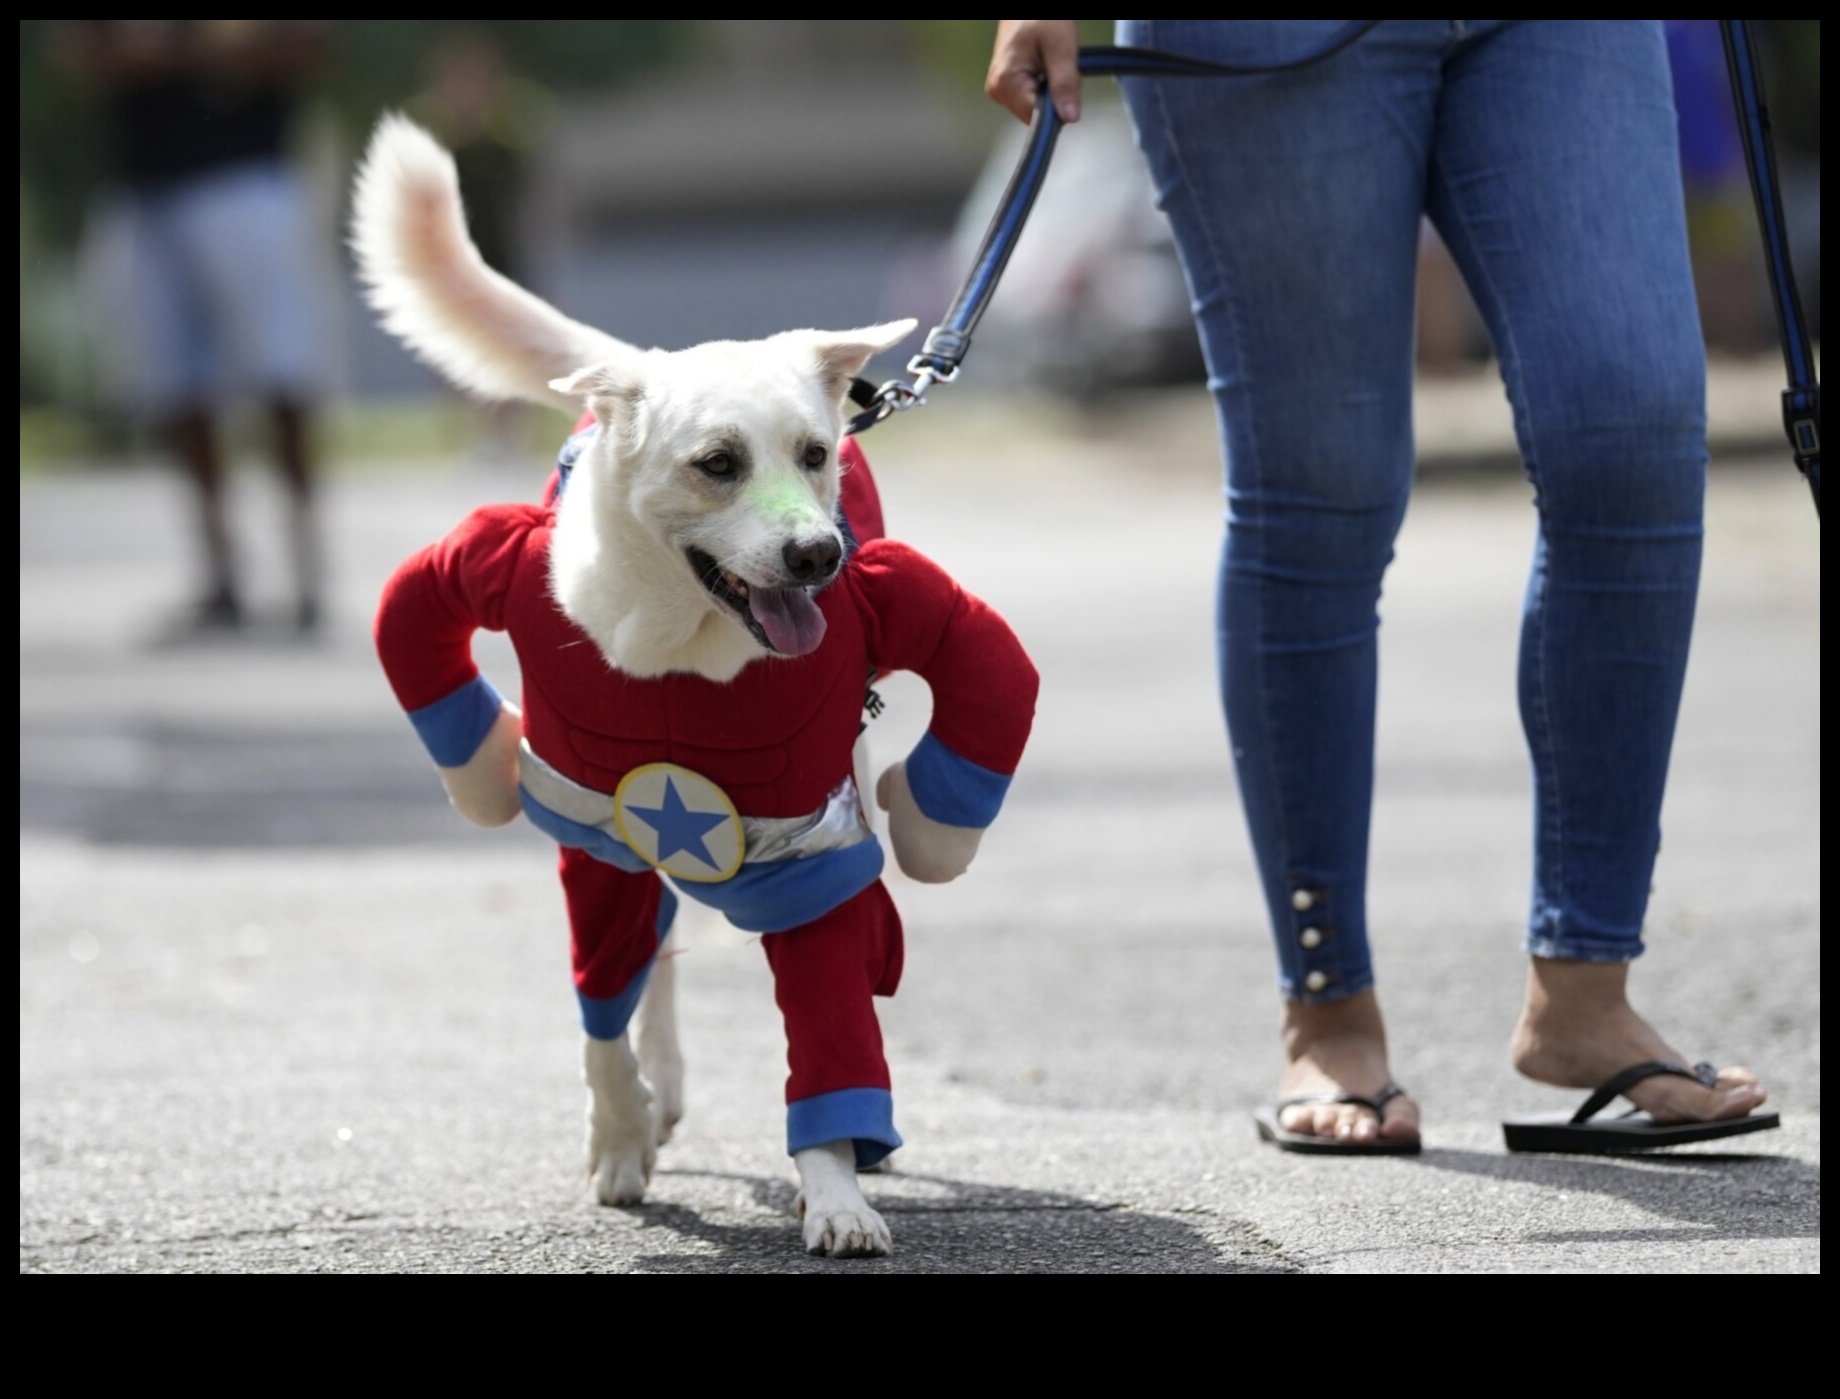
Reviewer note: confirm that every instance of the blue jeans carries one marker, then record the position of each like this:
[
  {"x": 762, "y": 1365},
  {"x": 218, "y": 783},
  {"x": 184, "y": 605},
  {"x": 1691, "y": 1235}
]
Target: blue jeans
[{"x": 1545, "y": 154}]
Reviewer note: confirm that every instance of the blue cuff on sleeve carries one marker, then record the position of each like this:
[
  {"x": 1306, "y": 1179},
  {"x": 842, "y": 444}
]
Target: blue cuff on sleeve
[
  {"x": 953, "y": 790},
  {"x": 452, "y": 728}
]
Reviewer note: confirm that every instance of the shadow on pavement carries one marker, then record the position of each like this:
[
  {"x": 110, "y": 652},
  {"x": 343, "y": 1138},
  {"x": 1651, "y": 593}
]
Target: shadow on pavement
[
  {"x": 944, "y": 1225},
  {"x": 1722, "y": 1195},
  {"x": 123, "y": 781}
]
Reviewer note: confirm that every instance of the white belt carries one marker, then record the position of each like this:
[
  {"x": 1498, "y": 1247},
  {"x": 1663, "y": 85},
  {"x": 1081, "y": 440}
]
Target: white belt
[{"x": 836, "y": 825}]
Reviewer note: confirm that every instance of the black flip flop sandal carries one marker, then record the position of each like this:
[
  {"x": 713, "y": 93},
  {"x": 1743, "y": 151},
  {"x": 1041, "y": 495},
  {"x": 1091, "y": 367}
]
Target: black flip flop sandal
[
  {"x": 1272, "y": 1130},
  {"x": 1583, "y": 1133}
]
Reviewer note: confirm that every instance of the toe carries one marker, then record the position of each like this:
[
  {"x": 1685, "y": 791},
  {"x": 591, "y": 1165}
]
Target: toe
[
  {"x": 1738, "y": 1094},
  {"x": 1301, "y": 1119},
  {"x": 1357, "y": 1125},
  {"x": 1735, "y": 1093},
  {"x": 1401, "y": 1121}
]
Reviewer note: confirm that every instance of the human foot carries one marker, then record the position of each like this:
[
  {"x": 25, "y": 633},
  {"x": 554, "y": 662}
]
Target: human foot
[
  {"x": 1577, "y": 1029},
  {"x": 1340, "y": 1047}
]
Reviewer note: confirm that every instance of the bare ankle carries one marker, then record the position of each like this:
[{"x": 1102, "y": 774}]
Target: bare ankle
[
  {"x": 1356, "y": 1019},
  {"x": 1577, "y": 1026},
  {"x": 1562, "y": 987}
]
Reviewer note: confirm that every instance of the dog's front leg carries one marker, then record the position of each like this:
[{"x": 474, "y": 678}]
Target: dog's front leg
[
  {"x": 620, "y": 1144},
  {"x": 838, "y": 1219},
  {"x": 661, "y": 1057}
]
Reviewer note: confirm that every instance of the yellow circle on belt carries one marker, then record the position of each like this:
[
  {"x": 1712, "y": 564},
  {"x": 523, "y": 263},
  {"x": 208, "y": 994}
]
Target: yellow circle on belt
[{"x": 680, "y": 822}]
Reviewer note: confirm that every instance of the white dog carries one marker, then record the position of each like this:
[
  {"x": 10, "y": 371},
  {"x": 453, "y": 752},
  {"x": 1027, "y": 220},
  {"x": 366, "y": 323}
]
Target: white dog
[{"x": 698, "y": 536}]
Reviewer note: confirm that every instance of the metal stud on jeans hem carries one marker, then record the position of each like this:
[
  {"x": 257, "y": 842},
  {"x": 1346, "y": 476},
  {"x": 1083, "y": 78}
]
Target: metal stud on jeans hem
[
  {"x": 1303, "y": 900},
  {"x": 1315, "y": 981},
  {"x": 1311, "y": 937}
]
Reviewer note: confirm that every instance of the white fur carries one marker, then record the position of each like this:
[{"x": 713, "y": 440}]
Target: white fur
[
  {"x": 838, "y": 1219},
  {"x": 621, "y": 1145},
  {"x": 430, "y": 286},
  {"x": 638, "y": 499},
  {"x": 485, "y": 788},
  {"x": 635, "y": 500}
]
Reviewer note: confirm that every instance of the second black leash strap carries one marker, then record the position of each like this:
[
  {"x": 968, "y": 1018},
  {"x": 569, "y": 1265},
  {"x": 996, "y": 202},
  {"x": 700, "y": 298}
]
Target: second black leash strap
[{"x": 1802, "y": 399}]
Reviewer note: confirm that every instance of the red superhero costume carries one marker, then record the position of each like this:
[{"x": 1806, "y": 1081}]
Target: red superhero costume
[{"x": 742, "y": 791}]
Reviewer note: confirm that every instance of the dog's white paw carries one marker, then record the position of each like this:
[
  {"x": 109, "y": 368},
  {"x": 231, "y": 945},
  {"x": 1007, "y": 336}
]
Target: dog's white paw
[
  {"x": 620, "y": 1178},
  {"x": 857, "y": 1233},
  {"x": 621, "y": 1143},
  {"x": 838, "y": 1221}
]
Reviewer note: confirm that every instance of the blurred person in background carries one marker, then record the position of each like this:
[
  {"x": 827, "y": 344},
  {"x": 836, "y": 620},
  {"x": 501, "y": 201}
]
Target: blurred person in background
[
  {"x": 1547, "y": 156},
  {"x": 207, "y": 281}
]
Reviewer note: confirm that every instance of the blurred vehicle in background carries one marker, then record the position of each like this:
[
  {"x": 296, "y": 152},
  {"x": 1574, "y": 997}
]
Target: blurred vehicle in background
[{"x": 1093, "y": 298}]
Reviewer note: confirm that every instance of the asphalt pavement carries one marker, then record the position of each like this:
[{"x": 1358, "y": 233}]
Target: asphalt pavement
[{"x": 281, "y": 1010}]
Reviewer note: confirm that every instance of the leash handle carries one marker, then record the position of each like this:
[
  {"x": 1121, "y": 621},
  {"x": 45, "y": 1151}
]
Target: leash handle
[
  {"x": 1802, "y": 399},
  {"x": 946, "y": 343}
]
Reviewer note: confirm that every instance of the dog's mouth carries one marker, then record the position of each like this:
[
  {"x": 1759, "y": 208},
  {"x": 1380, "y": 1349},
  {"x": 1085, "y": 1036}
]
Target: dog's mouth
[{"x": 786, "y": 620}]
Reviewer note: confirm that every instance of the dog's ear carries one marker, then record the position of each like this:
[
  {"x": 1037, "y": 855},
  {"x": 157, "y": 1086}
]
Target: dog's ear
[
  {"x": 841, "y": 354},
  {"x": 610, "y": 391}
]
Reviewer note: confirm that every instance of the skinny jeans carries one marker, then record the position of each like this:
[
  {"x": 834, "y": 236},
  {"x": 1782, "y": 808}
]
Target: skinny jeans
[{"x": 1545, "y": 154}]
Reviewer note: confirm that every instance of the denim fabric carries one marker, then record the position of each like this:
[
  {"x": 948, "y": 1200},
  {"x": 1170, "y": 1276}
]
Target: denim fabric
[{"x": 1544, "y": 152}]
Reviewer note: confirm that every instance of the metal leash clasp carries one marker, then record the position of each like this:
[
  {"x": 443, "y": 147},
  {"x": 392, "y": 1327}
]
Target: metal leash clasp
[{"x": 897, "y": 396}]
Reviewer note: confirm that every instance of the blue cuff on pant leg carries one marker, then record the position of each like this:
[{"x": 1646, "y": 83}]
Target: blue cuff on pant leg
[
  {"x": 608, "y": 1017},
  {"x": 864, "y": 1115}
]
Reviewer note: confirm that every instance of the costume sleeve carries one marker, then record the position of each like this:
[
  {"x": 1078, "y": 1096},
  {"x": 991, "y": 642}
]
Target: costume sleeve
[
  {"x": 424, "y": 629},
  {"x": 983, "y": 682}
]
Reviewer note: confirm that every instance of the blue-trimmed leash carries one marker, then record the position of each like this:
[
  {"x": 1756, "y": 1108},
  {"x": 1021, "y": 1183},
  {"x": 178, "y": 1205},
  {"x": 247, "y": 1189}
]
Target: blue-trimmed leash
[
  {"x": 944, "y": 350},
  {"x": 1802, "y": 399}
]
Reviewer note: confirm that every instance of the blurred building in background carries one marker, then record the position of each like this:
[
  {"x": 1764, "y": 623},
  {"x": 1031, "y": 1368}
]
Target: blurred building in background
[{"x": 774, "y": 174}]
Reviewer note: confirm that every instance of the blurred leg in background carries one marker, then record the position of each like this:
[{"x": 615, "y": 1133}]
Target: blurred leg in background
[{"x": 208, "y": 285}]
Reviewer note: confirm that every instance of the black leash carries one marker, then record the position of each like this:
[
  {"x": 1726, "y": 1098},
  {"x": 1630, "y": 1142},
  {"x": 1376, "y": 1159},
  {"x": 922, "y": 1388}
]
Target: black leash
[
  {"x": 944, "y": 350},
  {"x": 1802, "y": 399},
  {"x": 947, "y": 342}
]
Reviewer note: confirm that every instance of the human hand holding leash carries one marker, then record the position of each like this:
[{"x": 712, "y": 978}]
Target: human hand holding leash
[{"x": 1027, "y": 51}]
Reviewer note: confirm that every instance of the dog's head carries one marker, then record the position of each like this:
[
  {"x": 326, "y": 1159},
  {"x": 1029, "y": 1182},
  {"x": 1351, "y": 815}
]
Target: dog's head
[{"x": 716, "y": 476}]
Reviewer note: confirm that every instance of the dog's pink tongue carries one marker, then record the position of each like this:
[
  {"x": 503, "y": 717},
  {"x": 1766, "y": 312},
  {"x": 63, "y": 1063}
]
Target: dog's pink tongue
[{"x": 789, "y": 617}]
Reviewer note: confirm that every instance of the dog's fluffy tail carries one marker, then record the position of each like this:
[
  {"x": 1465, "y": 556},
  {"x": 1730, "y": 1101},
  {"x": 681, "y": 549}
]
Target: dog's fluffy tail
[{"x": 430, "y": 286}]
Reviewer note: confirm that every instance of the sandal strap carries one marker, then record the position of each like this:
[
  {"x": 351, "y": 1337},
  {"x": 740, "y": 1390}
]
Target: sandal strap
[
  {"x": 1702, "y": 1073},
  {"x": 1376, "y": 1104}
]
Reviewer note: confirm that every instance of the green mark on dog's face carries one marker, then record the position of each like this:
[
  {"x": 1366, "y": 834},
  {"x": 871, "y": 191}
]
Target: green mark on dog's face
[{"x": 783, "y": 496}]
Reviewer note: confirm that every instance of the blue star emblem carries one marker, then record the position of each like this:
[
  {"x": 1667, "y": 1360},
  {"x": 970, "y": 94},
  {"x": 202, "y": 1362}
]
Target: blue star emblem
[{"x": 678, "y": 827}]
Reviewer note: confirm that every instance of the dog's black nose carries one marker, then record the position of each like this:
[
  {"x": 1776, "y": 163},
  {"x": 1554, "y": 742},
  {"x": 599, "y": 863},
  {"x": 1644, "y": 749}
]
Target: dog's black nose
[{"x": 812, "y": 562}]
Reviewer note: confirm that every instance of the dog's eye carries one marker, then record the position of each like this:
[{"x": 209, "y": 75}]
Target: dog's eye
[
  {"x": 815, "y": 456},
  {"x": 717, "y": 464}
]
